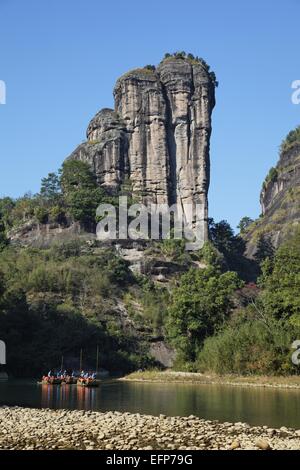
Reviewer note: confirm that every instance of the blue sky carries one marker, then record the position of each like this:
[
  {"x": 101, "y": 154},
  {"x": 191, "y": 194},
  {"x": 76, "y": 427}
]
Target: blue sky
[{"x": 60, "y": 60}]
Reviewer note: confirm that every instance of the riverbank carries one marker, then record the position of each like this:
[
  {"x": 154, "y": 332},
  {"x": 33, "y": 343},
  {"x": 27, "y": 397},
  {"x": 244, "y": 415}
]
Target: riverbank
[
  {"x": 287, "y": 382},
  {"x": 29, "y": 429}
]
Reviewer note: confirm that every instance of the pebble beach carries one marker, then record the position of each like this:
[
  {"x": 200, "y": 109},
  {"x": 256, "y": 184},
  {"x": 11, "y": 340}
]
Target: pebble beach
[{"x": 45, "y": 429}]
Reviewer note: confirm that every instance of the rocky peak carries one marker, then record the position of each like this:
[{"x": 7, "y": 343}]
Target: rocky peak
[
  {"x": 104, "y": 121},
  {"x": 158, "y": 134}
]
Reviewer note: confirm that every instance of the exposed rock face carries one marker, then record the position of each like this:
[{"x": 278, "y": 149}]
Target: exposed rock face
[
  {"x": 190, "y": 100},
  {"x": 140, "y": 101},
  {"x": 286, "y": 180},
  {"x": 162, "y": 353},
  {"x": 105, "y": 149},
  {"x": 280, "y": 201},
  {"x": 158, "y": 136}
]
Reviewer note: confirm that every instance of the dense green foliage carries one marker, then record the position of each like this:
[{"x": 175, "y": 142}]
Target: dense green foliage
[
  {"x": 54, "y": 302},
  {"x": 280, "y": 282},
  {"x": 58, "y": 300},
  {"x": 258, "y": 337},
  {"x": 70, "y": 195},
  {"x": 81, "y": 192},
  {"x": 223, "y": 238},
  {"x": 249, "y": 347},
  {"x": 200, "y": 304},
  {"x": 231, "y": 247},
  {"x": 264, "y": 249}
]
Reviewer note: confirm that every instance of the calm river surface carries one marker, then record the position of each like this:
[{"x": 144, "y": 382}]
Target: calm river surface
[{"x": 256, "y": 406}]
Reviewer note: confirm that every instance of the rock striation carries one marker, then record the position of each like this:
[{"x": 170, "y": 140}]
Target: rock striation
[
  {"x": 105, "y": 149},
  {"x": 280, "y": 200},
  {"x": 158, "y": 135},
  {"x": 282, "y": 180}
]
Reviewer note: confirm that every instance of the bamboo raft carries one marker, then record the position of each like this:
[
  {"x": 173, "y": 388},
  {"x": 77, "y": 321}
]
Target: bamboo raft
[
  {"x": 58, "y": 381},
  {"x": 69, "y": 380},
  {"x": 87, "y": 383},
  {"x": 50, "y": 381}
]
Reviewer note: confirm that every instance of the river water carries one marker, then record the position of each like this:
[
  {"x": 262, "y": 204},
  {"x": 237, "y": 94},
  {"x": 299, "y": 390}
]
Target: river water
[{"x": 256, "y": 406}]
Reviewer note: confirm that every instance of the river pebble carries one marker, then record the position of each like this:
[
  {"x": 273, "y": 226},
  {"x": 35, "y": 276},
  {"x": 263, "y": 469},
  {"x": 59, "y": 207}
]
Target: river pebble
[{"x": 24, "y": 428}]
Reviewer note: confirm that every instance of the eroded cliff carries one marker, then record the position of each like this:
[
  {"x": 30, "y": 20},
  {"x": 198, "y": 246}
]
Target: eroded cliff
[
  {"x": 158, "y": 135},
  {"x": 279, "y": 198}
]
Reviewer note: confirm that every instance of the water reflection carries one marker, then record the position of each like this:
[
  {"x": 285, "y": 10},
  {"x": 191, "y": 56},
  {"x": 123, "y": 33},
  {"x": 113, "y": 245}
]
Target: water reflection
[
  {"x": 87, "y": 398},
  {"x": 69, "y": 396},
  {"x": 257, "y": 406}
]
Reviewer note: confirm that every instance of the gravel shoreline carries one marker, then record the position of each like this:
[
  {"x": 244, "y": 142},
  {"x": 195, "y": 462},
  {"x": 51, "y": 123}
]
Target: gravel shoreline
[{"x": 42, "y": 429}]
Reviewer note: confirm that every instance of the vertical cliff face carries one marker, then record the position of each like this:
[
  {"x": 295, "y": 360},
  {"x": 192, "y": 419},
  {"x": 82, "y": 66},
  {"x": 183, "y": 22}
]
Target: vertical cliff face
[
  {"x": 139, "y": 99},
  {"x": 280, "y": 200},
  {"x": 281, "y": 181},
  {"x": 158, "y": 135},
  {"x": 189, "y": 95}
]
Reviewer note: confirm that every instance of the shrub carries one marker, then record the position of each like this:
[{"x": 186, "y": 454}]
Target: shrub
[
  {"x": 271, "y": 177},
  {"x": 199, "y": 305},
  {"x": 57, "y": 214},
  {"x": 41, "y": 215},
  {"x": 292, "y": 138},
  {"x": 150, "y": 67},
  {"x": 249, "y": 348}
]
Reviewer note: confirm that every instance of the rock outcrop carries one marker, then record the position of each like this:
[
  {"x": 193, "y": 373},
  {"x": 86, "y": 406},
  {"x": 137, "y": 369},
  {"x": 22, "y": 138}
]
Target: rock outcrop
[
  {"x": 106, "y": 149},
  {"x": 283, "y": 180},
  {"x": 280, "y": 201},
  {"x": 158, "y": 135}
]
